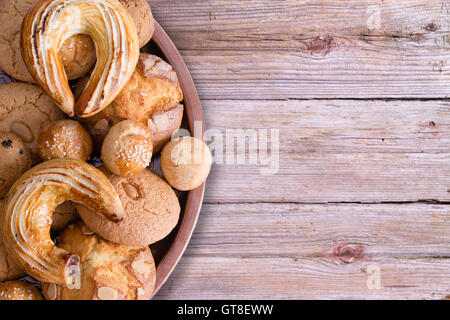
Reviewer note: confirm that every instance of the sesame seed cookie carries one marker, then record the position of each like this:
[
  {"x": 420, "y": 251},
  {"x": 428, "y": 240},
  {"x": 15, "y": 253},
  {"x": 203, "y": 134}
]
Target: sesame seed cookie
[
  {"x": 127, "y": 148},
  {"x": 19, "y": 290},
  {"x": 151, "y": 209},
  {"x": 24, "y": 109},
  {"x": 109, "y": 271},
  {"x": 64, "y": 139}
]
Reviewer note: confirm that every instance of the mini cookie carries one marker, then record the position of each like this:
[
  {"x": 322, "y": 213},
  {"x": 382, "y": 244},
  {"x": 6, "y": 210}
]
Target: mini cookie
[
  {"x": 142, "y": 16},
  {"x": 24, "y": 109},
  {"x": 151, "y": 209},
  {"x": 19, "y": 290},
  {"x": 64, "y": 214},
  {"x": 14, "y": 160},
  {"x": 153, "y": 87},
  {"x": 127, "y": 148},
  {"x": 186, "y": 162},
  {"x": 77, "y": 53},
  {"x": 78, "y": 56},
  {"x": 109, "y": 271},
  {"x": 64, "y": 139}
]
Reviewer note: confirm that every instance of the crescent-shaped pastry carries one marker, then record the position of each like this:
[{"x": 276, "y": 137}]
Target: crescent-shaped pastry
[
  {"x": 49, "y": 23},
  {"x": 28, "y": 210}
]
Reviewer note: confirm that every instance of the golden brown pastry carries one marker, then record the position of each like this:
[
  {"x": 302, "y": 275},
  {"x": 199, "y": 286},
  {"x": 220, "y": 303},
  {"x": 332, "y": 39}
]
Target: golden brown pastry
[
  {"x": 151, "y": 209},
  {"x": 153, "y": 88},
  {"x": 127, "y": 148},
  {"x": 24, "y": 109},
  {"x": 14, "y": 160},
  {"x": 185, "y": 163},
  {"x": 109, "y": 271},
  {"x": 19, "y": 290},
  {"x": 49, "y": 22},
  {"x": 64, "y": 139},
  {"x": 28, "y": 210},
  {"x": 77, "y": 52}
]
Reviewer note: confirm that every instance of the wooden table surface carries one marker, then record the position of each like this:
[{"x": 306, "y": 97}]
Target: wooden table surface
[{"x": 359, "y": 91}]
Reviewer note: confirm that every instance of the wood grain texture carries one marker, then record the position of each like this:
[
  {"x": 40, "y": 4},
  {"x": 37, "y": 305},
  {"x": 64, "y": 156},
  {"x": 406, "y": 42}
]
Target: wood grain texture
[
  {"x": 338, "y": 151},
  {"x": 312, "y": 49},
  {"x": 296, "y": 251},
  {"x": 364, "y": 123}
]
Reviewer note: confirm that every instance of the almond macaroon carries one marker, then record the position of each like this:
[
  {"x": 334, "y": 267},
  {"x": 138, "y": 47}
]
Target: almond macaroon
[{"x": 152, "y": 210}]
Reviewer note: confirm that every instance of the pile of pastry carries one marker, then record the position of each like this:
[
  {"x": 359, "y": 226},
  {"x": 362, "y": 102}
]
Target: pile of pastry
[{"x": 79, "y": 134}]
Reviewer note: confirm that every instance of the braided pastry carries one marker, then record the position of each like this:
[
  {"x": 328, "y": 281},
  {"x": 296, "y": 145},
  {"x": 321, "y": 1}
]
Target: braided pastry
[
  {"x": 49, "y": 23},
  {"x": 28, "y": 211}
]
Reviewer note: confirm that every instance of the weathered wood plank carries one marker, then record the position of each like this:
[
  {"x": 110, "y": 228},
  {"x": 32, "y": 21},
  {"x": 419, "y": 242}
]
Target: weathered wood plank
[
  {"x": 353, "y": 126},
  {"x": 312, "y": 49},
  {"x": 334, "y": 151},
  {"x": 280, "y": 251}
]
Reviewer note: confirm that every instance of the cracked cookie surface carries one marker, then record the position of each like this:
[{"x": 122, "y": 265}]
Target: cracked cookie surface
[
  {"x": 151, "y": 209},
  {"x": 24, "y": 109}
]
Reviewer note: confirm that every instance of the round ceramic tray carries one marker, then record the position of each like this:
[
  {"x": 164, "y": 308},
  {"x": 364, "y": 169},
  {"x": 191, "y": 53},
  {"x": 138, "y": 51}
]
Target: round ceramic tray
[{"x": 169, "y": 251}]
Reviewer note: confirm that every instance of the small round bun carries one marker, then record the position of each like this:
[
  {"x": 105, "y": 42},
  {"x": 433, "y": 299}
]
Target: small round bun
[
  {"x": 78, "y": 56},
  {"x": 127, "y": 148},
  {"x": 186, "y": 162},
  {"x": 14, "y": 160},
  {"x": 64, "y": 139},
  {"x": 19, "y": 290},
  {"x": 151, "y": 209},
  {"x": 109, "y": 271}
]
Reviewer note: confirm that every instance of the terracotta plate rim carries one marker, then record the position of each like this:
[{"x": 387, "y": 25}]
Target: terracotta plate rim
[{"x": 195, "y": 197}]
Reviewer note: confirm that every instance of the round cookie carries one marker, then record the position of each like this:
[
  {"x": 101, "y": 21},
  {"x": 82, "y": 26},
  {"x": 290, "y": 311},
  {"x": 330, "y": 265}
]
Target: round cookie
[
  {"x": 24, "y": 109},
  {"x": 14, "y": 160},
  {"x": 19, "y": 290},
  {"x": 64, "y": 214},
  {"x": 64, "y": 139},
  {"x": 127, "y": 148},
  {"x": 8, "y": 268},
  {"x": 151, "y": 96},
  {"x": 78, "y": 53},
  {"x": 151, "y": 209},
  {"x": 186, "y": 162},
  {"x": 141, "y": 14},
  {"x": 78, "y": 56},
  {"x": 109, "y": 271}
]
